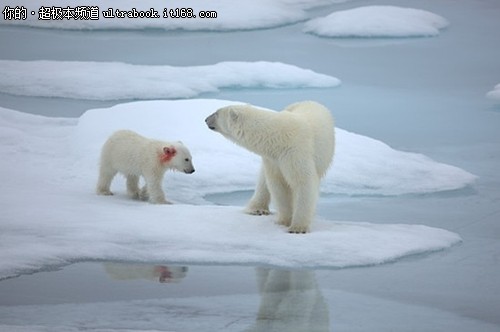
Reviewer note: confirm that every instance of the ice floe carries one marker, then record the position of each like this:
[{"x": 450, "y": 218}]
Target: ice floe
[
  {"x": 114, "y": 80},
  {"x": 51, "y": 216},
  {"x": 377, "y": 21}
]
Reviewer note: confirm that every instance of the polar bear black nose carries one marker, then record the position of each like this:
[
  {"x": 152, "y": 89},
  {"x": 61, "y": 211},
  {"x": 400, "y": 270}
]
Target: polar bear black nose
[{"x": 210, "y": 121}]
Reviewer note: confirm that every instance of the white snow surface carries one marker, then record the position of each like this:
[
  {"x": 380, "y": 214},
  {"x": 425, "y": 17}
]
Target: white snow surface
[
  {"x": 495, "y": 93},
  {"x": 243, "y": 15},
  {"x": 51, "y": 216},
  {"x": 377, "y": 21},
  {"x": 115, "y": 80}
]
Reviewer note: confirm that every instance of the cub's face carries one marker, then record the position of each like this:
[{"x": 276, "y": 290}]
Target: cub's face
[
  {"x": 184, "y": 161},
  {"x": 178, "y": 158}
]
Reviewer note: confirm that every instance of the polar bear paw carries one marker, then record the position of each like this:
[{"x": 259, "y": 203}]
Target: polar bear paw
[
  {"x": 143, "y": 194},
  {"x": 159, "y": 201},
  {"x": 258, "y": 212},
  {"x": 134, "y": 195},
  {"x": 298, "y": 229},
  {"x": 105, "y": 192}
]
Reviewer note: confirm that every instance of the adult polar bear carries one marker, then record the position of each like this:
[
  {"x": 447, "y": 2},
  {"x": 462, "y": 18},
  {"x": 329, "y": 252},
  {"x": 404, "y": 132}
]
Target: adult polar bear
[{"x": 296, "y": 146}]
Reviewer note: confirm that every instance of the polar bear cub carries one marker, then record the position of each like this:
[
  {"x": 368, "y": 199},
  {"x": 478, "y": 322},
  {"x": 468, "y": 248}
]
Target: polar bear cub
[
  {"x": 133, "y": 155},
  {"x": 296, "y": 146}
]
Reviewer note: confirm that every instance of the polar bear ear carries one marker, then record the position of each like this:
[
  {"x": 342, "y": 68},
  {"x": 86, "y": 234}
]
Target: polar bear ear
[
  {"x": 169, "y": 150},
  {"x": 234, "y": 116},
  {"x": 168, "y": 153}
]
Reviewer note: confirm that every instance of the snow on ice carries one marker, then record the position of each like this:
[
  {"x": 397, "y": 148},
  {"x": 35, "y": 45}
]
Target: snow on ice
[
  {"x": 114, "y": 80},
  {"x": 51, "y": 216},
  {"x": 377, "y": 21}
]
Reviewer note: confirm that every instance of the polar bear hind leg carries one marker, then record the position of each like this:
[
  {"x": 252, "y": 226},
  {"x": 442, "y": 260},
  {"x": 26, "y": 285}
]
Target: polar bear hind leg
[
  {"x": 106, "y": 175},
  {"x": 304, "y": 190},
  {"x": 281, "y": 192},
  {"x": 305, "y": 198}
]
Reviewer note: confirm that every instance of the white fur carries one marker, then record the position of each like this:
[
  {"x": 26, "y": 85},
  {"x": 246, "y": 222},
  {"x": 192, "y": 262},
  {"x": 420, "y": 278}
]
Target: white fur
[
  {"x": 296, "y": 146},
  {"x": 133, "y": 155}
]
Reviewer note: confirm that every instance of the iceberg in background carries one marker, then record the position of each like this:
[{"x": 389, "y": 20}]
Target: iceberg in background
[
  {"x": 377, "y": 21},
  {"x": 115, "y": 80}
]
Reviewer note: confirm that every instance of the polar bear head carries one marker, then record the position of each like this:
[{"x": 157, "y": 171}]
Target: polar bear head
[
  {"x": 245, "y": 125},
  {"x": 231, "y": 121},
  {"x": 224, "y": 120},
  {"x": 177, "y": 156}
]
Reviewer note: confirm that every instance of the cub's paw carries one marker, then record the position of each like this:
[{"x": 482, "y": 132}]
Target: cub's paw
[
  {"x": 135, "y": 195},
  {"x": 298, "y": 229},
  {"x": 104, "y": 192},
  {"x": 160, "y": 201},
  {"x": 284, "y": 222},
  {"x": 258, "y": 212},
  {"x": 144, "y": 195}
]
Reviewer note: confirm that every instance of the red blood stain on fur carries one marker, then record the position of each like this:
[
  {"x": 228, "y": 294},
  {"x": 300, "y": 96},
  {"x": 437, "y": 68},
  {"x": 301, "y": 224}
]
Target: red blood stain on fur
[{"x": 168, "y": 154}]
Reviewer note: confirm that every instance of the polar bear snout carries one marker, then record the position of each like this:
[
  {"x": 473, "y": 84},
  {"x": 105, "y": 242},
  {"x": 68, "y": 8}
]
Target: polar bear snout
[
  {"x": 211, "y": 121},
  {"x": 187, "y": 166}
]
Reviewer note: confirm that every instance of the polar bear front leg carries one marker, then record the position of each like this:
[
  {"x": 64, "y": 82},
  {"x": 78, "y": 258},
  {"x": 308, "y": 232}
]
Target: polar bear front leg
[
  {"x": 259, "y": 203},
  {"x": 154, "y": 190}
]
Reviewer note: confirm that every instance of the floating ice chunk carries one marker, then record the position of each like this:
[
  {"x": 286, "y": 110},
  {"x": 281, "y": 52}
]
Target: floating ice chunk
[
  {"x": 51, "y": 216},
  {"x": 114, "y": 80},
  {"x": 77, "y": 226},
  {"x": 377, "y": 21}
]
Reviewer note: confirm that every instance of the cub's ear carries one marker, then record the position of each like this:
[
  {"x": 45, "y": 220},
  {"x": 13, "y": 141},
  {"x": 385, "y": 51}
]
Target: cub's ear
[{"x": 169, "y": 151}]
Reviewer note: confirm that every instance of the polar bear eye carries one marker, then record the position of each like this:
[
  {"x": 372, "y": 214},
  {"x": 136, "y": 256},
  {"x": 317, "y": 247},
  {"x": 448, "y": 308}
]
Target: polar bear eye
[{"x": 187, "y": 159}]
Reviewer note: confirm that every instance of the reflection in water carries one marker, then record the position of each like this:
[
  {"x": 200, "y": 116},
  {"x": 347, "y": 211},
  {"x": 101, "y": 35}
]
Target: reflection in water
[
  {"x": 290, "y": 301},
  {"x": 161, "y": 273}
]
